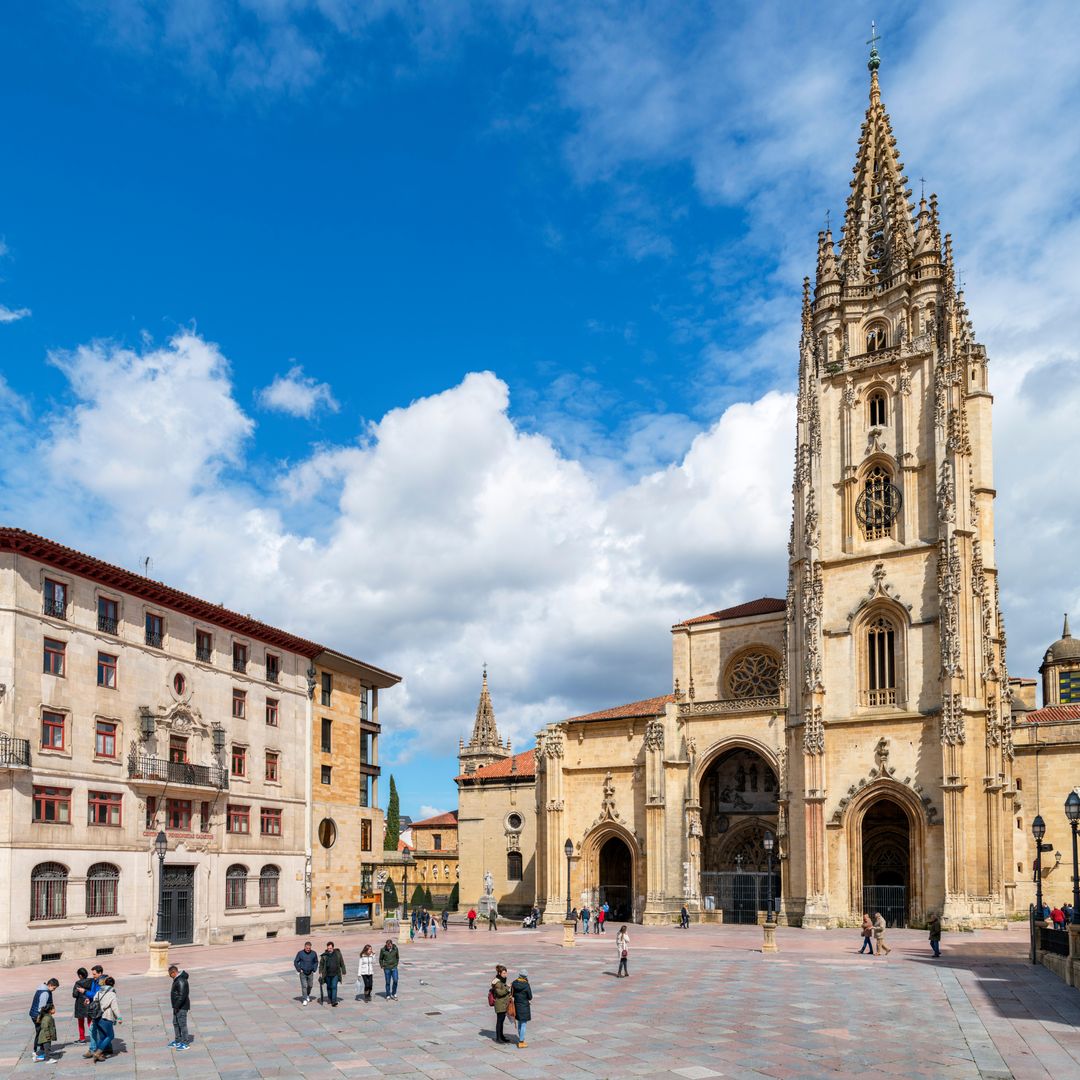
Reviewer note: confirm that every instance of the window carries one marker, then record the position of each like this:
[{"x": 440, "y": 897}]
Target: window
[
  {"x": 52, "y": 731},
  {"x": 878, "y": 504},
  {"x": 151, "y": 812},
  {"x": 878, "y": 412},
  {"x": 239, "y": 760},
  {"x": 239, "y": 656},
  {"x": 270, "y": 821},
  {"x": 326, "y": 775},
  {"x": 55, "y": 599},
  {"x": 239, "y": 704},
  {"x": 513, "y": 866},
  {"x": 327, "y": 832},
  {"x": 365, "y": 835},
  {"x": 754, "y": 674},
  {"x": 881, "y": 667},
  {"x": 272, "y": 712},
  {"x": 365, "y": 748},
  {"x": 327, "y": 687},
  {"x": 236, "y": 887},
  {"x": 204, "y": 646},
  {"x": 514, "y": 821},
  {"x": 268, "y": 886},
  {"x": 48, "y": 891},
  {"x": 237, "y": 818},
  {"x": 327, "y": 735},
  {"x": 105, "y": 738},
  {"x": 108, "y": 615},
  {"x": 54, "y": 656},
  {"x": 178, "y": 749},
  {"x": 273, "y": 760},
  {"x": 179, "y": 685},
  {"x": 364, "y": 702},
  {"x": 106, "y": 670},
  {"x": 52, "y": 805},
  {"x": 365, "y": 789},
  {"x": 273, "y": 666},
  {"x": 204, "y": 817},
  {"x": 155, "y": 630},
  {"x": 877, "y": 338},
  {"x": 436, "y": 840},
  {"x": 178, "y": 815},
  {"x": 104, "y": 807},
  {"x": 102, "y": 881}
]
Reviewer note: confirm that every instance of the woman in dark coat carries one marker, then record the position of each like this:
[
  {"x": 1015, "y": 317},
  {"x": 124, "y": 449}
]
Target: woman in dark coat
[
  {"x": 522, "y": 994},
  {"x": 500, "y": 993},
  {"x": 78, "y": 992}
]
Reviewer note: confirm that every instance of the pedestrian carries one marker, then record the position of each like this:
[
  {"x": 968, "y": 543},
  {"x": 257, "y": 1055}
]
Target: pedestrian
[
  {"x": 684, "y": 918},
  {"x": 40, "y": 1003},
  {"x": 499, "y": 999},
  {"x": 879, "y": 934},
  {"x": 180, "y": 999},
  {"x": 107, "y": 1005},
  {"x": 434, "y": 928},
  {"x": 365, "y": 973},
  {"x": 388, "y": 961},
  {"x": 1057, "y": 917},
  {"x": 97, "y": 979},
  {"x": 622, "y": 947},
  {"x": 933, "y": 924},
  {"x": 605, "y": 910},
  {"x": 331, "y": 971},
  {"x": 1044, "y": 914},
  {"x": 1067, "y": 911},
  {"x": 584, "y": 920},
  {"x": 601, "y": 915},
  {"x": 472, "y": 918},
  {"x": 521, "y": 995},
  {"x": 573, "y": 915},
  {"x": 306, "y": 962},
  {"x": 83, "y": 982},
  {"x": 867, "y": 935},
  {"x": 492, "y": 924},
  {"x": 445, "y": 919},
  {"x": 46, "y": 1032}
]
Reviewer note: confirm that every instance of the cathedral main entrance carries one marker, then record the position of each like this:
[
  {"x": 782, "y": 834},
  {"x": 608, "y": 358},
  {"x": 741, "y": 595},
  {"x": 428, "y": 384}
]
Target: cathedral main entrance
[
  {"x": 886, "y": 861},
  {"x": 738, "y": 808},
  {"x": 616, "y": 876}
]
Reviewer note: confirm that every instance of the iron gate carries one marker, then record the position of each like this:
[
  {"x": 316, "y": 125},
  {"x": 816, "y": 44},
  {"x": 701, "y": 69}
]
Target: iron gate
[
  {"x": 178, "y": 904},
  {"x": 739, "y": 895},
  {"x": 890, "y": 900}
]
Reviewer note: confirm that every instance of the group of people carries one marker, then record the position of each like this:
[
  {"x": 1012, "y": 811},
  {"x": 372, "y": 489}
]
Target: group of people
[
  {"x": 331, "y": 969},
  {"x": 596, "y": 918},
  {"x": 492, "y": 919},
  {"x": 423, "y": 922},
  {"x": 873, "y": 934},
  {"x": 1059, "y": 916},
  {"x": 97, "y": 1013}
]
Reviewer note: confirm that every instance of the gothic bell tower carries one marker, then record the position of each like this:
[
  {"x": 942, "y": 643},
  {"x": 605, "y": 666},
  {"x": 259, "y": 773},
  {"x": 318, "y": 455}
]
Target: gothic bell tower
[
  {"x": 898, "y": 709},
  {"x": 485, "y": 746}
]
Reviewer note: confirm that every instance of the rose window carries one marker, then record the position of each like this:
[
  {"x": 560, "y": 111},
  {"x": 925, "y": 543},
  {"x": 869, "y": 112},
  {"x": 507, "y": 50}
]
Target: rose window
[{"x": 755, "y": 675}]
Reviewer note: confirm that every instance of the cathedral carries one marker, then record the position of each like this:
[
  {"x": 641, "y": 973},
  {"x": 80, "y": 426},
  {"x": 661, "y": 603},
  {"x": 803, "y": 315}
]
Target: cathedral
[{"x": 857, "y": 745}]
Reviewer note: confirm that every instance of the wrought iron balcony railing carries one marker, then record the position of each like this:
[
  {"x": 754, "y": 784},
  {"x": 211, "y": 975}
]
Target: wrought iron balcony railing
[
  {"x": 154, "y": 639},
  {"x": 239, "y": 664},
  {"x": 14, "y": 752},
  {"x": 272, "y": 675},
  {"x": 205, "y": 655},
  {"x": 145, "y": 767},
  {"x": 106, "y": 625},
  {"x": 56, "y": 608}
]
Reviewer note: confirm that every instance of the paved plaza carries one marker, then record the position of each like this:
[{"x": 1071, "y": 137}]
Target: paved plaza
[{"x": 700, "y": 1003}]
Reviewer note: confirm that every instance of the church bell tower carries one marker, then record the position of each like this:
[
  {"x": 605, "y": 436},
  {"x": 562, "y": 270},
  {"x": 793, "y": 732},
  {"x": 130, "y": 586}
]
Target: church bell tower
[{"x": 898, "y": 724}]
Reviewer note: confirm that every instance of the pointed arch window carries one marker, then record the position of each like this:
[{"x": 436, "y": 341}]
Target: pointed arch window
[
  {"x": 878, "y": 504},
  {"x": 877, "y": 406},
  {"x": 877, "y": 334},
  {"x": 880, "y": 663}
]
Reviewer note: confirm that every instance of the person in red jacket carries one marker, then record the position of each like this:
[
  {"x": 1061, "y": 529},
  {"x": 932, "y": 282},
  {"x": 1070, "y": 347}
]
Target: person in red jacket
[
  {"x": 472, "y": 918},
  {"x": 1057, "y": 917}
]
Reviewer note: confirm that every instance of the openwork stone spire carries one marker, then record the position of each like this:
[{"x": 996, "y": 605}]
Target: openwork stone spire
[{"x": 484, "y": 732}]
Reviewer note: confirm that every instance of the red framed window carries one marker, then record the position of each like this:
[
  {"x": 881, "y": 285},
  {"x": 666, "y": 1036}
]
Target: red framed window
[
  {"x": 52, "y": 730},
  {"x": 54, "y": 656},
  {"x": 237, "y": 818},
  {"x": 155, "y": 630},
  {"x": 105, "y": 807},
  {"x": 236, "y": 887},
  {"x": 272, "y": 712},
  {"x": 204, "y": 646},
  {"x": 151, "y": 811},
  {"x": 268, "y": 886},
  {"x": 270, "y": 821},
  {"x": 55, "y": 599},
  {"x": 102, "y": 881},
  {"x": 106, "y": 670},
  {"x": 239, "y": 760},
  {"x": 273, "y": 761},
  {"x": 178, "y": 815},
  {"x": 108, "y": 615},
  {"x": 178, "y": 749},
  {"x": 204, "y": 817},
  {"x": 48, "y": 891},
  {"x": 239, "y": 704},
  {"x": 52, "y": 805},
  {"x": 105, "y": 738}
]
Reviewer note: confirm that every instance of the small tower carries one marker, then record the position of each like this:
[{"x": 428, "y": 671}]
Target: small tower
[
  {"x": 485, "y": 746},
  {"x": 1060, "y": 670}
]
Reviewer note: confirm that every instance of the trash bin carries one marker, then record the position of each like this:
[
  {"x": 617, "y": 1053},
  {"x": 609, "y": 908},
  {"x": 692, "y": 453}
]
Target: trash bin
[{"x": 303, "y": 925}]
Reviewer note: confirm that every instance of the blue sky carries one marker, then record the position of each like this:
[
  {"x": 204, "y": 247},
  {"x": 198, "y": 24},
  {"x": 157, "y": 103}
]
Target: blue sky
[{"x": 459, "y": 332}]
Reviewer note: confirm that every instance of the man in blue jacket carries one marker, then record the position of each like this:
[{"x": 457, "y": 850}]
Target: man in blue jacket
[
  {"x": 43, "y": 998},
  {"x": 306, "y": 963}
]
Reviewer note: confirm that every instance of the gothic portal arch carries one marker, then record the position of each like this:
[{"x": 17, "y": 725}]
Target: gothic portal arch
[{"x": 613, "y": 869}]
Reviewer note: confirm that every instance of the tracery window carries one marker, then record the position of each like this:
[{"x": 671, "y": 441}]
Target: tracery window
[
  {"x": 879, "y": 503},
  {"x": 877, "y": 338},
  {"x": 880, "y": 662},
  {"x": 754, "y": 674},
  {"x": 878, "y": 410}
]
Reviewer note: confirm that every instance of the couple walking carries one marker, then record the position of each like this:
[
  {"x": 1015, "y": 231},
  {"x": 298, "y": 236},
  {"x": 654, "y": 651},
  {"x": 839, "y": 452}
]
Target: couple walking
[{"x": 873, "y": 933}]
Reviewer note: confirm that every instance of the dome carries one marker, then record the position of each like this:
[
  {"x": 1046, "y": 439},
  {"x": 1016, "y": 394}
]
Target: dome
[{"x": 1065, "y": 648}]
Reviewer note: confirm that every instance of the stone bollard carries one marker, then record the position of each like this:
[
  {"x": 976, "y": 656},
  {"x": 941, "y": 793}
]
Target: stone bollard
[
  {"x": 403, "y": 932},
  {"x": 769, "y": 942},
  {"x": 568, "y": 933},
  {"x": 159, "y": 958}
]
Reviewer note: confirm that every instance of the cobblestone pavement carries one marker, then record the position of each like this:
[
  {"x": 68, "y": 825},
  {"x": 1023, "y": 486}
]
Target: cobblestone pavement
[{"x": 699, "y": 1003}]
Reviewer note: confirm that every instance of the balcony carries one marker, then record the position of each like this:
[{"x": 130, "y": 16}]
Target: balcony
[
  {"x": 205, "y": 655},
  {"x": 14, "y": 753},
  {"x": 107, "y": 625},
  {"x": 154, "y": 770},
  {"x": 154, "y": 638},
  {"x": 877, "y": 698},
  {"x": 56, "y": 608},
  {"x": 272, "y": 675},
  {"x": 239, "y": 663}
]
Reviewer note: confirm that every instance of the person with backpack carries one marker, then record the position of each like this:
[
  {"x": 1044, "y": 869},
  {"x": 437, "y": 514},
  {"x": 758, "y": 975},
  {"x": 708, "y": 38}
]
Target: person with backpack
[
  {"x": 107, "y": 1006},
  {"x": 41, "y": 1001},
  {"x": 97, "y": 977},
  {"x": 388, "y": 961},
  {"x": 499, "y": 1000},
  {"x": 83, "y": 982},
  {"x": 180, "y": 999},
  {"x": 331, "y": 971},
  {"x": 306, "y": 963}
]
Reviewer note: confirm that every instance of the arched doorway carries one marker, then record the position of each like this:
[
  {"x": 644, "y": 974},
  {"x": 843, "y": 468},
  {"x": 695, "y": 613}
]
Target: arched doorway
[
  {"x": 615, "y": 870},
  {"x": 739, "y": 806},
  {"x": 886, "y": 861}
]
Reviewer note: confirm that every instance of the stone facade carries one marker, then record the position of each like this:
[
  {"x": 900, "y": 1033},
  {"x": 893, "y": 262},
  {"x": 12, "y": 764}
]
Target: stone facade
[{"x": 435, "y": 849}]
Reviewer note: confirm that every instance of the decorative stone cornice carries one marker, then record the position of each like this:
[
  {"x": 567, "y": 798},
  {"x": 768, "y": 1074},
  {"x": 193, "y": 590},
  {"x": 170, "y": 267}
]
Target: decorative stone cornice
[{"x": 722, "y": 705}]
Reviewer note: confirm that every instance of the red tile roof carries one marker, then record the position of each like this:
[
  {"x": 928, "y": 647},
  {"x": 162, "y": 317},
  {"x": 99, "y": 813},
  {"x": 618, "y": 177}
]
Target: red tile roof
[
  {"x": 438, "y": 821},
  {"x": 765, "y": 605},
  {"x": 520, "y": 765},
  {"x": 1048, "y": 714},
  {"x": 653, "y": 706},
  {"x": 402, "y": 846}
]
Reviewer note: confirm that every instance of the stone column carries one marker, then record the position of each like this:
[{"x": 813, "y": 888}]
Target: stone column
[{"x": 656, "y": 906}]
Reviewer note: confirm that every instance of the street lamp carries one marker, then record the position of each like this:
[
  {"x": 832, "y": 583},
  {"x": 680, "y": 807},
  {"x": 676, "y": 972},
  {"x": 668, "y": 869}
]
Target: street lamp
[
  {"x": 1038, "y": 830},
  {"x": 568, "y": 848},
  {"x": 1072, "y": 812},
  {"x": 768, "y": 840},
  {"x": 161, "y": 845},
  {"x": 406, "y": 858}
]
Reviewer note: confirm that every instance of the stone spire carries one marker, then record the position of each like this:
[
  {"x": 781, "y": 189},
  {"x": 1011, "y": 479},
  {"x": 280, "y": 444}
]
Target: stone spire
[
  {"x": 485, "y": 745},
  {"x": 1065, "y": 629}
]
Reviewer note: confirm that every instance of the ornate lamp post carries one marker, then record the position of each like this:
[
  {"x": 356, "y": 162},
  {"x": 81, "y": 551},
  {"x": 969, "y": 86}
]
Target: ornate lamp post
[
  {"x": 1038, "y": 830},
  {"x": 768, "y": 944},
  {"x": 406, "y": 858},
  {"x": 768, "y": 841},
  {"x": 1072, "y": 812},
  {"x": 568, "y": 849},
  {"x": 161, "y": 846}
]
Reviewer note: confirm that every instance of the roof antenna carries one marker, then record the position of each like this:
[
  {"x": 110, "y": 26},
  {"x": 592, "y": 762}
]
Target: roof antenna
[{"x": 146, "y": 566}]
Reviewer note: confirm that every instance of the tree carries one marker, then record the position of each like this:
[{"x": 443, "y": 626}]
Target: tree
[
  {"x": 393, "y": 820},
  {"x": 418, "y": 897},
  {"x": 390, "y": 897},
  {"x": 452, "y": 903},
  {"x": 428, "y": 903}
]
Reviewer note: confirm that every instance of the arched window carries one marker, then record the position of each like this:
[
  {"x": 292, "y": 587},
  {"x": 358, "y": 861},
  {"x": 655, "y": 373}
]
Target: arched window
[
  {"x": 877, "y": 337},
  {"x": 754, "y": 674},
  {"x": 880, "y": 662},
  {"x": 879, "y": 415},
  {"x": 513, "y": 866},
  {"x": 48, "y": 891},
  {"x": 268, "y": 886},
  {"x": 236, "y": 887},
  {"x": 102, "y": 887},
  {"x": 878, "y": 504}
]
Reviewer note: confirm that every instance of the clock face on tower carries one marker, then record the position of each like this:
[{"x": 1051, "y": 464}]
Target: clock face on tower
[{"x": 878, "y": 506}]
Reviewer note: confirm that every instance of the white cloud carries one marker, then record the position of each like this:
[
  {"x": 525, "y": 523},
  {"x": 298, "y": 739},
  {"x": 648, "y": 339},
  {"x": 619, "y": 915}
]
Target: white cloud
[
  {"x": 297, "y": 394},
  {"x": 426, "y": 811},
  {"x": 13, "y": 314}
]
